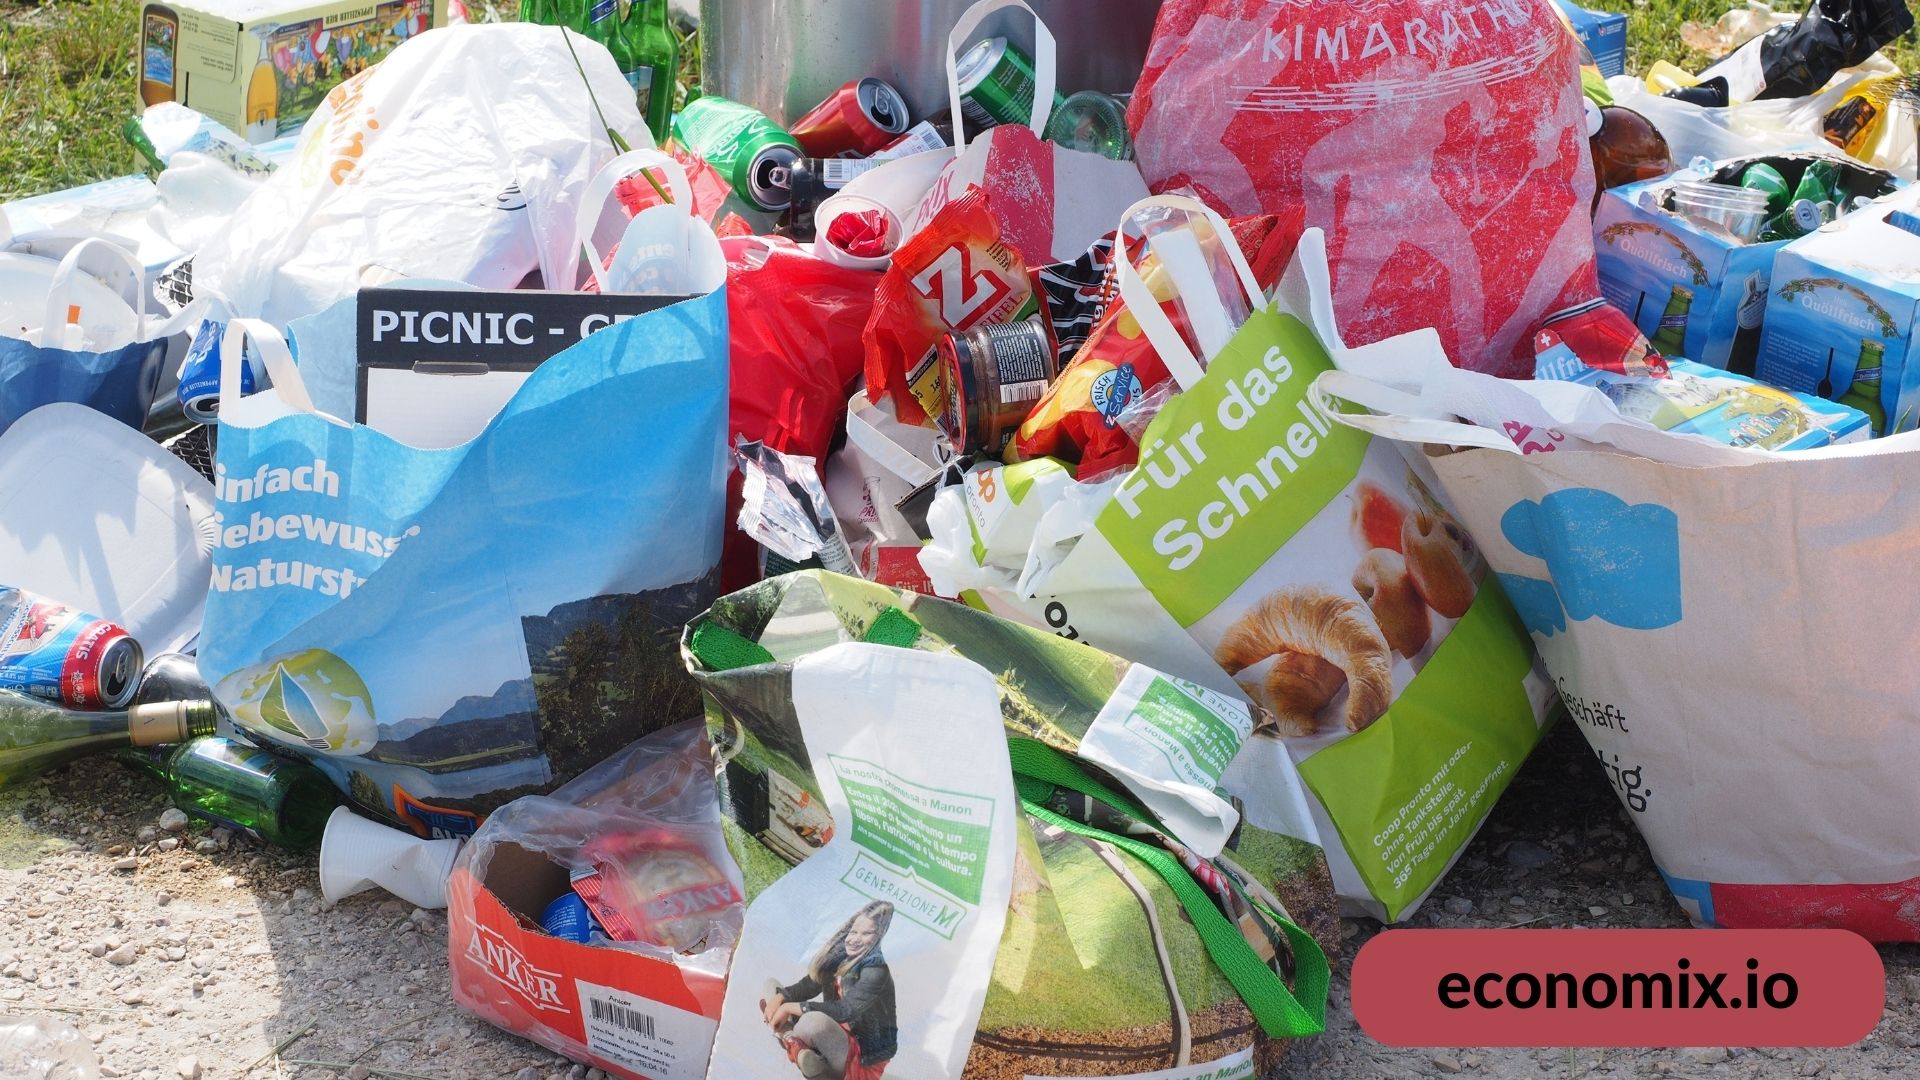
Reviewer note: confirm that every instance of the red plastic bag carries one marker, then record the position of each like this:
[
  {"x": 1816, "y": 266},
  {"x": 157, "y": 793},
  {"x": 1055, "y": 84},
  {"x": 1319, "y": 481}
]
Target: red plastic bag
[
  {"x": 1078, "y": 417},
  {"x": 795, "y": 325},
  {"x": 708, "y": 187},
  {"x": 955, "y": 274},
  {"x": 1440, "y": 143}
]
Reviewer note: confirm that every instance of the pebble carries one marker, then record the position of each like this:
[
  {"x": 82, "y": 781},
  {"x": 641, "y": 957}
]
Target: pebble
[
  {"x": 528, "y": 1073},
  {"x": 1709, "y": 1055},
  {"x": 229, "y": 882},
  {"x": 146, "y": 835},
  {"x": 188, "y": 1068},
  {"x": 128, "y": 863},
  {"x": 1626, "y": 899},
  {"x": 1909, "y": 987},
  {"x": 1459, "y": 905},
  {"x": 1446, "y": 1063},
  {"x": 121, "y": 956},
  {"x": 221, "y": 835},
  {"x": 163, "y": 899},
  {"x": 173, "y": 819},
  {"x": 1596, "y": 910},
  {"x": 1527, "y": 855},
  {"x": 206, "y": 845},
  {"x": 578, "y": 1072},
  {"x": 168, "y": 844},
  {"x": 596, "y": 1074},
  {"x": 176, "y": 954},
  {"x": 359, "y": 1072},
  {"x": 1812, "y": 1067},
  {"x": 443, "y": 1042},
  {"x": 1348, "y": 928},
  {"x": 98, "y": 948}
]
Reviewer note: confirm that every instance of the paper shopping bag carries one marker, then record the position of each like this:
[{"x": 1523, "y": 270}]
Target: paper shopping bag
[
  {"x": 1267, "y": 553},
  {"x": 442, "y": 630},
  {"x": 1169, "y": 906},
  {"x": 1723, "y": 624}
]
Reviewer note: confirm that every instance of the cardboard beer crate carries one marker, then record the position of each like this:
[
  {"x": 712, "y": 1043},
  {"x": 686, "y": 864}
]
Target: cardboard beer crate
[
  {"x": 1654, "y": 261},
  {"x": 629, "y": 1014},
  {"x": 1845, "y": 294},
  {"x": 261, "y": 67}
]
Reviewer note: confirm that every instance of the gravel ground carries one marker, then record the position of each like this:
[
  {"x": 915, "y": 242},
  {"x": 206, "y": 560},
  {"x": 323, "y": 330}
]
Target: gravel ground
[{"x": 190, "y": 953}]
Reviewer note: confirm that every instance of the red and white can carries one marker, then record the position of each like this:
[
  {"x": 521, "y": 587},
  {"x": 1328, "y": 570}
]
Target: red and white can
[
  {"x": 855, "y": 120},
  {"x": 56, "y": 653}
]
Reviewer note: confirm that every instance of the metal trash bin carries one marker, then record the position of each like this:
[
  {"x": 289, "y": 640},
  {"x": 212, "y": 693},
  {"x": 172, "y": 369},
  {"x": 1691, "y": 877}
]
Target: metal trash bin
[{"x": 785, "y": 56}]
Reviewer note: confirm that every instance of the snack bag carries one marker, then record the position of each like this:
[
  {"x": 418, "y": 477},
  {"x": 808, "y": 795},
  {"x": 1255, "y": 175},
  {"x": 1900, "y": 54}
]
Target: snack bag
[
  {"x": 955, "y": 274},
  {"x": 1079, "y": 415}
]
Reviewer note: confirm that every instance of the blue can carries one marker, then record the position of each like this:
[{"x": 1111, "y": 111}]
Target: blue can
[
  {"x": 568, "y": 919},
  {"x": 199, "y": 390}
]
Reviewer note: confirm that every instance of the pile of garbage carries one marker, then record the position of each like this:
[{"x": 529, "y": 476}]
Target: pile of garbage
[{"x": 848, "y": 568}]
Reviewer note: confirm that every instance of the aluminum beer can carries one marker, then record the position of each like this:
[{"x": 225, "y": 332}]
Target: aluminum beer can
[
  {"x": 199, "y": 389},
  {"x": 997, "y": 85},
  {"x": 53, "y": 652},
  {"x": 751, "y": 151},
  {"x": 856, "y": 120}
]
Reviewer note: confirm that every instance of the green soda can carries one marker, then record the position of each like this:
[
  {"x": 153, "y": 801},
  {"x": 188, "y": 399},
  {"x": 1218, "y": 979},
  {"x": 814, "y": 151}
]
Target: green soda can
[
  {"x": 752, "y": 152},
  {"x": 997, "y": 85},
  {"x": 1767, "y": 180}
]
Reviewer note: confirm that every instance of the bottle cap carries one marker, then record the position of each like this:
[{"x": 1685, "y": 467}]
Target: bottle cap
[{"x": 167, "y": 722}]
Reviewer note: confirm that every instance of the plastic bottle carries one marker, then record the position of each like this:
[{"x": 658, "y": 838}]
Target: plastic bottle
[{"x": 42, "y": 1048}]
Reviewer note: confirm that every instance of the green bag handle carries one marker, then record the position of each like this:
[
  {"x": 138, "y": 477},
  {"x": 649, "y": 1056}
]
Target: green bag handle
[{"x": 1038, "y": 771}]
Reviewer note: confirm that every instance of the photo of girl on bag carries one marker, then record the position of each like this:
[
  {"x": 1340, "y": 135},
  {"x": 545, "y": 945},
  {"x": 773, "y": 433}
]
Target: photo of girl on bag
[{"x": 849, "y": 1033}]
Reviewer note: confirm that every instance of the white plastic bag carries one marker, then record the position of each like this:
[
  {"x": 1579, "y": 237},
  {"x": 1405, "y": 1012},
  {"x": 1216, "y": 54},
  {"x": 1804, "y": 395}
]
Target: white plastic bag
[{"x": 461, "y": 156}]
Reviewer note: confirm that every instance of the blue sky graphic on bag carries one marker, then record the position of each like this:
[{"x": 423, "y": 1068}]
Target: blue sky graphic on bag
[{"x": 1607, "y": 560}]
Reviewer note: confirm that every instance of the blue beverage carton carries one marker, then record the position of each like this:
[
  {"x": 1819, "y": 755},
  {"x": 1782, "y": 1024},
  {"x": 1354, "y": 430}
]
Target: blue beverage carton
[
  {"x": 1694, "y": 288},
  {"x": 1841, "y": 318},
  {"x": 1604, "y": 33},
  {"x": 1695, "y": 399}
]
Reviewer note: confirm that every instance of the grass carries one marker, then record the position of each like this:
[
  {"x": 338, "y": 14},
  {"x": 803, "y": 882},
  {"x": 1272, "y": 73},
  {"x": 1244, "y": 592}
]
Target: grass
[{"x": 67, "y": 79}]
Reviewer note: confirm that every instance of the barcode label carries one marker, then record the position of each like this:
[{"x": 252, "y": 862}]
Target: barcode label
[
  {"x": 1017, "y": 393},
  {"x": 622, "y": 1017},
  {"x": 643, "y": 1036}
]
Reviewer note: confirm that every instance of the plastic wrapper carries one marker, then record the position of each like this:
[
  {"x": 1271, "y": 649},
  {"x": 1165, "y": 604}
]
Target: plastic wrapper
[
  {"x": 955, "y": 274},
  {"x": 795, "y": 324}
]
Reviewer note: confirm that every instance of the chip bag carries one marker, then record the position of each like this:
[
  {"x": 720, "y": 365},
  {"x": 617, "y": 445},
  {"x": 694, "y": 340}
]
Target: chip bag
[
  {"x": 1078, "y": 419},
  {"x": 955, "y": 274}
]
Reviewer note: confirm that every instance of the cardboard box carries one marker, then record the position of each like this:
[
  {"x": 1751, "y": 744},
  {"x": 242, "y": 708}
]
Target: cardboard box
[
  {"x": 628, "y": 1014},
  {"x": 1603, "y": 32},
  {"x": 1843, "y": 294},
  {"x": 261, "y": 67},
  {"x": 1653, "y": 261}
]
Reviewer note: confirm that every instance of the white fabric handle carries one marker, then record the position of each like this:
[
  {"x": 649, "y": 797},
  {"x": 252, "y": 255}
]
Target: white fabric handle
[
  {"x": 60, "y": 290},
  {"x": 1045, "y": 65},
  {"x": 1396, "y": 414},
  {"x": 593, "y": 201},
  {"x": 1186, "y": 265},
  {"x": 273, "y": 352}
]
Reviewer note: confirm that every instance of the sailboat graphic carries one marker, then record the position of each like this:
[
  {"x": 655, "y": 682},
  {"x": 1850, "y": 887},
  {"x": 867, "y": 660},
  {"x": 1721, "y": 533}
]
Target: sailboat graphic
[{"x": 286, "y": 706}]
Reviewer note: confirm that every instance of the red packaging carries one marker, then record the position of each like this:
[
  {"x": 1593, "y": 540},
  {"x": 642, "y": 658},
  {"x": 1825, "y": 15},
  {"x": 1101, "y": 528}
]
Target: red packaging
[
  {"x": 708, "y": 187},
  {"x": 795, "y": 324},
  {"x": 955, "y": 274},
  {"x": 1076, "y": 420},
  {"x": 1602, "y": 337},
  {"x": 1441, "y": 144},
  {"x": 596, "y": 1005}
]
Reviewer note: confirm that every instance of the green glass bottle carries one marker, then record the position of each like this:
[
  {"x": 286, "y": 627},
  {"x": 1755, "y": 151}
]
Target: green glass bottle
[
  {"x": 272, "y": 798},
  {"x": 36, "y": 735},
  {"x": 643, "y": 44},
  {"x": 1670, "y": 337},
  {"x": 1864, "y": 392}
]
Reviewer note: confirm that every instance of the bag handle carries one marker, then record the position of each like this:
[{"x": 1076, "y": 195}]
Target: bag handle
[
  {"x": 60, "y": 291},
  {"x": 594, "y": 199},
  {"x": 1045, "y": 65},
  {"x": 1282, "y": 1013},
  {"x": 274, "y": 354},
  {"x": 1396, "y": 414},
  {"x": 1186, "y": 264}
]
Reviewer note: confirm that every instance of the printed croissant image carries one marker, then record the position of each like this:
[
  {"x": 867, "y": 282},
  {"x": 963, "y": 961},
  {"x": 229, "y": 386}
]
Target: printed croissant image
[{"x": 1321, "y": 640}]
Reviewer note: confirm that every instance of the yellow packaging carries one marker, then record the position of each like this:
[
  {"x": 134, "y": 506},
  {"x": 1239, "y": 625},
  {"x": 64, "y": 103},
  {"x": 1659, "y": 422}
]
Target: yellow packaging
[{"x": 261, "y": 67}]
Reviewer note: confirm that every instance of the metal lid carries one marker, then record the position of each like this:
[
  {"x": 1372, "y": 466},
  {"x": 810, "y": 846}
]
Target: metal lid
[
  {"x": 977, "y": 62},
  {"x": 881, "y": 104}
]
